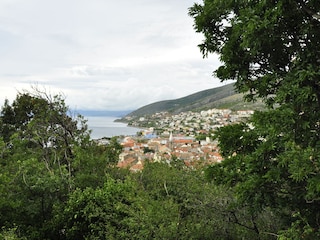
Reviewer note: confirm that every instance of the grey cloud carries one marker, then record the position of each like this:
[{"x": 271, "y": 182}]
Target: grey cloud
[
  {"x": 105, "y": 71},
  {"x": 102, "y": 54}
]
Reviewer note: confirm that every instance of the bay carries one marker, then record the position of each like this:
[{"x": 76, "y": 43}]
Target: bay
[{"x": 105, "y": 126}]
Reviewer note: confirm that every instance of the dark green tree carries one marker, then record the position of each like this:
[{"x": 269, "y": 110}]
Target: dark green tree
[
  {"x": 37, "y": 160},
  {"x": 118, "y": 210},
  {"x": 113, "y": 149},
  {"x": 201, "y": 210},
  {"x": 271, "y": 49},
  {"x": 93, "y": 162}
]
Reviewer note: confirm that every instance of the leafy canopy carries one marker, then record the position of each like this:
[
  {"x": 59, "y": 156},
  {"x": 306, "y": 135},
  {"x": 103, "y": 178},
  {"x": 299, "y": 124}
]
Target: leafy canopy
[{"x": 271, "y": 49}]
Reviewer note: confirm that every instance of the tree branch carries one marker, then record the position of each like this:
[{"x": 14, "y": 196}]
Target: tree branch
[
  {"x": 314, "y": 15},
  {"x": 165, "y": 187}
]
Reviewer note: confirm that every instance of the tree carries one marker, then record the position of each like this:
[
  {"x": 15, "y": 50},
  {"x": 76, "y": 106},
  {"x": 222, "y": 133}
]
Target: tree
[
  {"x": 93, "y": 163},
  {"x": 201, "y": 210},
  {"x": 44, "y": 121},
  {"x": 37, "y": 160},
  {"x": 269, "y": 47},
  {"x": 118, "y": 210},
  {"x": 113, "y": 150},
  {"x": 102, "y": 213},
  {"x": 271, "y": 50}
]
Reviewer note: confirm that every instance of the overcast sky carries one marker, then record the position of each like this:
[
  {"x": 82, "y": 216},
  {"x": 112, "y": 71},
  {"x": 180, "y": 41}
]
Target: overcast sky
[{"x": 102, "y": 54}]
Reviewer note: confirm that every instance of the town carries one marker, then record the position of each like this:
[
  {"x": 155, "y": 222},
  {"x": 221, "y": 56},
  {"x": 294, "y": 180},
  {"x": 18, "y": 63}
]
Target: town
[{"x": 185, "y": 139}]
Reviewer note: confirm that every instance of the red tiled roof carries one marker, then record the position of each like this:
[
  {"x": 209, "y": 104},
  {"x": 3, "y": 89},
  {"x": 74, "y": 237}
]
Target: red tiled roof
[
  {"x": 136, "y": 167},
  {"x": 126, "y": 163},
  {"x": 181, "y": 140}
]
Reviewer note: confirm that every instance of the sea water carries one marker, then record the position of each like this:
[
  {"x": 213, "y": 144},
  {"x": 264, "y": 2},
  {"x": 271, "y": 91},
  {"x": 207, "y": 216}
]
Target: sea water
[{"x": 107, "y": 127}]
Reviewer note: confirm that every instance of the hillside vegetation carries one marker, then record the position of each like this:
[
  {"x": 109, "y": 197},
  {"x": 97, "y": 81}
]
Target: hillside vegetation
[
  {"x": 57, "y": 183},
  {"x": 220, "y": 97}
]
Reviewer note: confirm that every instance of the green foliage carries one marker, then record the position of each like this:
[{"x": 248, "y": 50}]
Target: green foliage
[
  {"x": 147, "y": 150},
  {"x": 55, "y": 183},
  {"x": 10, "y": 234},
  {"x": 89, "y": 166},
  {"x": 37, "y": 161},
  {"x": 204, "y": 209},
  {"x": 270, "y": 49},
  {"x": 300, "y": 229},
  {"x": 113, "y": 150},
  {"x": 202, "y": 136},
  {"x": 103, "y": 213},
  {"x": 262, "y": 45},
  {"x": 267, "y": 169},
  {"x": 204, "y": 99}
]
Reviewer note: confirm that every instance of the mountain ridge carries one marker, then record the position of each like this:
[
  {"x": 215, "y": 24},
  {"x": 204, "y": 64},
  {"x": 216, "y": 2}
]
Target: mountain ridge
[{"x": 219, "y": 97}]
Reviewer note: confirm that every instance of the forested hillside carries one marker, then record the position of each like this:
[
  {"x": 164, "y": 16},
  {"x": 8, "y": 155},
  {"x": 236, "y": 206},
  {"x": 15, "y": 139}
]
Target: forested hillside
[
  {"x": 220, "y": 97},
  {"x": 193, "y": 102}
]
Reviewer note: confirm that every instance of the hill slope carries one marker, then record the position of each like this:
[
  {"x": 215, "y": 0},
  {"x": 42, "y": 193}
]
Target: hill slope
[{"x": 220, "y": 97}]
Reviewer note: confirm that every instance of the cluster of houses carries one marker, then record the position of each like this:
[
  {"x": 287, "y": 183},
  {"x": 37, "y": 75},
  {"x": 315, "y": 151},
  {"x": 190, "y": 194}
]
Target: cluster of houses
[
  {"x": 159, "y": 149},
  {"x": 189, "y": 123},
  {"x": 177, "y": 137}
]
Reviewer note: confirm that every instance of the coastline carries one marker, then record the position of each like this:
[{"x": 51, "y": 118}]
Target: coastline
[{"x": 107, "y": 126}]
